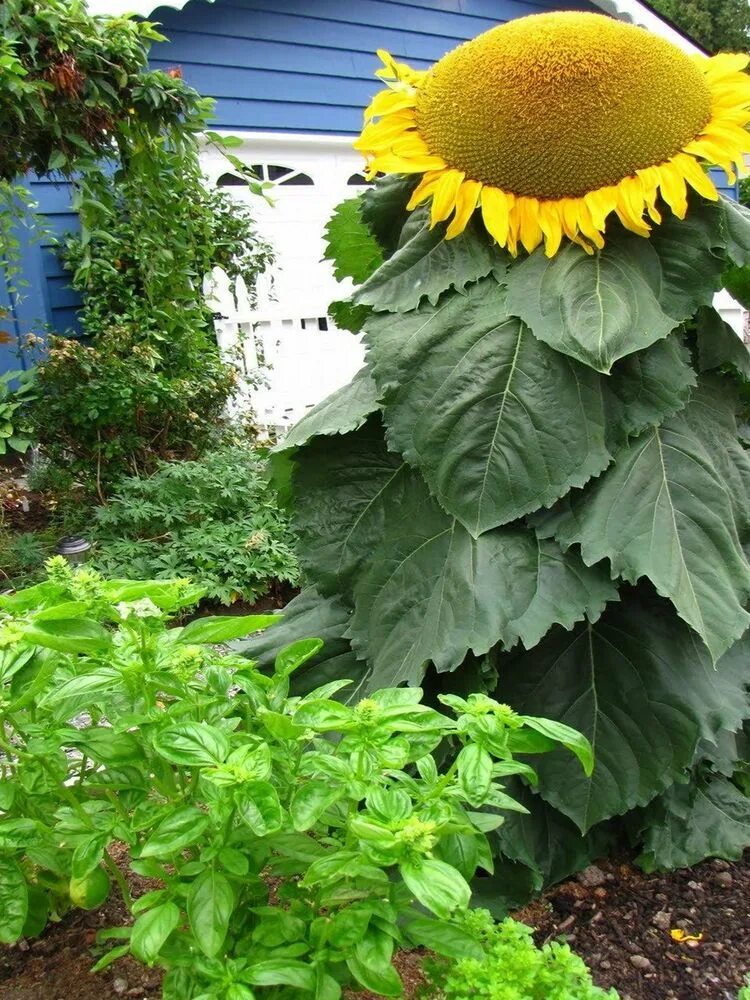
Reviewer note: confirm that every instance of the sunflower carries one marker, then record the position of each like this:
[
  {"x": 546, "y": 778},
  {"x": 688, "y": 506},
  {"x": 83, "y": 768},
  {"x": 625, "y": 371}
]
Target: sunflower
[{"x": 551, "y": 123}]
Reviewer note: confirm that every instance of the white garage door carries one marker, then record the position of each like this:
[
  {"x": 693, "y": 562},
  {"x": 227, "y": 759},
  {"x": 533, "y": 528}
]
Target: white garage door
[{"x": 310, "y": 358}]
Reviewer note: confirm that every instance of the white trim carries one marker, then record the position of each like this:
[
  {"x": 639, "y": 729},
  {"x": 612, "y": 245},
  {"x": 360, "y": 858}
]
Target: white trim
[
  {"x": 638, "y": 13},
  {"x": 141, "y": 8},
  {"x": 249, "y": 136}
]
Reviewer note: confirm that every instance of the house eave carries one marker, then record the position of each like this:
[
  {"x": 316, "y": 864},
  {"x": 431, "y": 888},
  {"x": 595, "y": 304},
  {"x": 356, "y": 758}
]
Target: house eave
[{"x": 645, "y": 16}]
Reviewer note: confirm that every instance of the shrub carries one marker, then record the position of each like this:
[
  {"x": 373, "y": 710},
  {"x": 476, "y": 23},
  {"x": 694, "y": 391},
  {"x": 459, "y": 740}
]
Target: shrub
[
  {"x": 108, "y": 408},
  {"x": 232, "y": 794},
  {"x": 215, "y": 519},
  {"x": 512, "y": 968}
]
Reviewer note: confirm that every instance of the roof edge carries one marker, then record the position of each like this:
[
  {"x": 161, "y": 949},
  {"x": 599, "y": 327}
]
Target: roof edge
[{"x": 644, "y": 15}]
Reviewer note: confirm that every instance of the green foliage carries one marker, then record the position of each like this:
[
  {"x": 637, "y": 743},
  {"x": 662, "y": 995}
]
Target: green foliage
[
  {"x": 356, "y": 254},
  {"x": 512, "y": 967},
  {"x": 215, "y": 520},
  {"x": 715, "y": 24},
  {"x": 82, "y": 101},
  {"x": 744, "y": 993},
  {"x": 15, "y": 432},
  {"x": 107, "y": 408},
  {"x": 229, "y": 792},
  {"x": 538, "y": 487},
  {"x": 72, "y": 82}
]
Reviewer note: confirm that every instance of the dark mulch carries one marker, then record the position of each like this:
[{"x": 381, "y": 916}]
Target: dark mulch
[
  {"x": 616, "y": 917},
  {"x": 620, "y": 920}
]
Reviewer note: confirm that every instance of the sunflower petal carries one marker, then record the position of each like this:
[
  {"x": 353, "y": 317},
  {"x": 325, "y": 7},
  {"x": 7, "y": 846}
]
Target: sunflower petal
[
  {"x": 466, "y": 202},
  {"x": 444, "y": 198},
  {"x": 496, "y": 206}
]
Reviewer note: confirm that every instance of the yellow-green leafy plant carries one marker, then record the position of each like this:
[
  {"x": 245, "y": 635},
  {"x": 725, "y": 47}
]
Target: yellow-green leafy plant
[{"x": 234, "y": 795}]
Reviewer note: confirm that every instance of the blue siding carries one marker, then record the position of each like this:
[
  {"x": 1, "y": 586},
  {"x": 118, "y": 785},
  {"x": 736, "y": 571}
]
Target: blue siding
[
  {"x": 296, "y": 66},
  {"x": 275, "y": 65}
]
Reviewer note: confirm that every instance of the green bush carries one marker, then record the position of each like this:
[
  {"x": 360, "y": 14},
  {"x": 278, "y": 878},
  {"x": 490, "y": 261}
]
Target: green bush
[
  {"x": 230, "y": 794},
  {"x": 215, "y": 520},
  {"x": 512, "y": 968},
  {"x": 108, "y": 408}
]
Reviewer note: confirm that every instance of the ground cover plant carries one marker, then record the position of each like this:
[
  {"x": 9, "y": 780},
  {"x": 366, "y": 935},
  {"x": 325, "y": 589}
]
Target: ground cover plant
[
  {"x": 215, "y": 519},
  {"x": 537, "y": 486},
  {"x": 512, "y": 966},
  {"x": 233, "y": 795}
]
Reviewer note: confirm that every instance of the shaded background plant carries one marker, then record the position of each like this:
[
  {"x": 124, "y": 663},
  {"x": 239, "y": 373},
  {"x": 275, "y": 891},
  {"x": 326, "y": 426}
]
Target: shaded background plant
[{"x": 215, "y": 520}]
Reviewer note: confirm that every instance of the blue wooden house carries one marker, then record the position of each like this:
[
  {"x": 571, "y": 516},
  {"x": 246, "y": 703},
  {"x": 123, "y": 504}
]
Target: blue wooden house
[{"x": 290, "y": 77}]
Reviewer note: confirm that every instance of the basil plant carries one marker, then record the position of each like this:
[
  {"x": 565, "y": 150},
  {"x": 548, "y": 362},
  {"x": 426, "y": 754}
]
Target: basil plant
[{"x": 294, "y": 841}]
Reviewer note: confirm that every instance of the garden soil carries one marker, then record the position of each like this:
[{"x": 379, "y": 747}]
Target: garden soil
[{"x": 617, "y": 918}]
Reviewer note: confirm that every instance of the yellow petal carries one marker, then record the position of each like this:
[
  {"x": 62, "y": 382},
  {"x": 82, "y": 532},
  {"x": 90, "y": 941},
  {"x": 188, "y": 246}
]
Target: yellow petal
[
  {"x": 551, "y": 225},
  {"x": 444, "y": 198},
  {"x": 673, "y": 189},
  {"x": 697, "y": 177},
  {"x": 601, "y": 203},
  {"x": 529, "y": 229},
  {"x": 388, "y": 101},
  {"x": 631, "y": 217},
  {"x": 424, "y": 189},
  {"x": 496, "y": 206},
  {"x": 650, "y": 178},
  {"x": 391, "y": 164},
  {"x": 723, "y": 64},
  {"x": 466, "y": 202},
  {"x": 588, "y": 228}
]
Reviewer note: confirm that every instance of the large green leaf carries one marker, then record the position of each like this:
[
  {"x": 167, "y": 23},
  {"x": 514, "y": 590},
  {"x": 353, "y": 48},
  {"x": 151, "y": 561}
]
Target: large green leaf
[
  {"x": 643, "y": 690},
  {"x": 346, "y": 487},
  {"x": 711, "y": 415},
  {"x": 545, "y": 840},
  {"x": 350, "y": 245},
  {"x": 475, "y": 402},
  {"x": 666, "y": 510},
  {"x": 689, "y": 822},
  {"x": 344, "y": 410},
  {"x": 736, "y": 226},
  {"x": 431, "y": 592},
  {"x": 384, "y": 208},
  {"x": 691, "y": 254},
  {"x": 719, "y": 346},
  {"x": 596, "y": 308},
  {"x": 646, "y": 387},
  {"x": 427, "y": 265},
  {"x": 310, "y": 615}
]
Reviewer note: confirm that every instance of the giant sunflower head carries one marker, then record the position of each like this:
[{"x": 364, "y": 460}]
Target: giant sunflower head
[{"x": 552, "y": 122}]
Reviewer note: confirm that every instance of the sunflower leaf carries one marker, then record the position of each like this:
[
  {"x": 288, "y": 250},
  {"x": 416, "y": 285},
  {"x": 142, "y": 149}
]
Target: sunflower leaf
[
  {"x": 688, "y": 823},
  {"x": 344, "y": 410},
  {"x": 666, "y": 510},
  {"x": 719, "y": 346},
  {"x": 646, "y": 387},
  {"x": 596, "y": 308},
  {"x": 736, "y": 219},
  {"x": 310, "y": 615},
  {"x": 545, "y": 840},
  {"x": 350, "y": 246},
  {"x": 426, "y": 590},
  {"x": 384, "y": 208},
  {"x": 426, "y": 266},
  {"x": 640, "y": 687},
  {"x": 691, "y": 254},
  {"x": 474, "y": 402}
]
